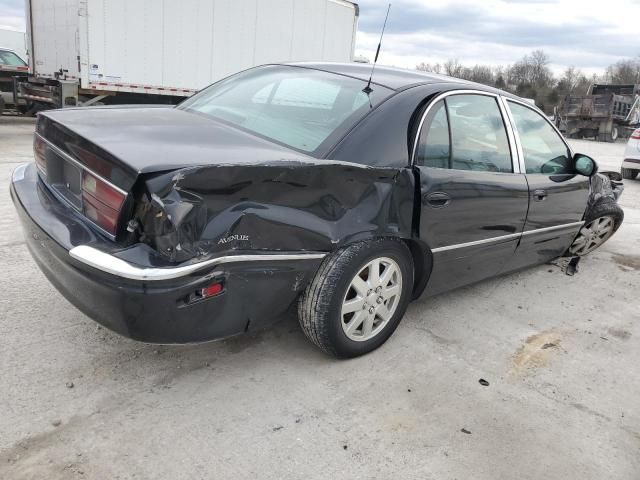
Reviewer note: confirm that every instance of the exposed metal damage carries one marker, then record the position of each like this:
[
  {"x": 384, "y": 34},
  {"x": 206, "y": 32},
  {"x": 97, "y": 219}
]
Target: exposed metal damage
[{"x": 605, "y": 186}]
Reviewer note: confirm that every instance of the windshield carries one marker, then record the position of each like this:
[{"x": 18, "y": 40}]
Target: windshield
[
  {"x": 308, "y": 110},
  {"x": 11, "y": 59}
]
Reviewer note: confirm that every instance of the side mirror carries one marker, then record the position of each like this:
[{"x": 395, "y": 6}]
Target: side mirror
[{"x": 584, "y": 165}]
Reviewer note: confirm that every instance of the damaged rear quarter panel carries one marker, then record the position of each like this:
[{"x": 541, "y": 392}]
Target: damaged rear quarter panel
[{"x": 280, "y": 206}]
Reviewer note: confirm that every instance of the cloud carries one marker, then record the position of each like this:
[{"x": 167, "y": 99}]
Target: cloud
[
  {"x": 579, "y": 33},
  {"x": 12, "y": 14}
]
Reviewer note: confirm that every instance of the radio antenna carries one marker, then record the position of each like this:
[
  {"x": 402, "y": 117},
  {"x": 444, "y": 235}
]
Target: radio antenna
[{"x": 368, "y": 88}]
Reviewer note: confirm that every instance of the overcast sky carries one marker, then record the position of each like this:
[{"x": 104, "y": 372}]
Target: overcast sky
[{"x": 585, "y": 33}]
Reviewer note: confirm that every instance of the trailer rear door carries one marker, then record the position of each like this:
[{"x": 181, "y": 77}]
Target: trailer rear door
[{"x": 53, "y": 31}]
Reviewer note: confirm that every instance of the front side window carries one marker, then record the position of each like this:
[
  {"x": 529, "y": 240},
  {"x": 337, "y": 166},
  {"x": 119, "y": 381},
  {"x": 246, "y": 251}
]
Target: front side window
[
  {"x": 465, "y": 132},
  {"x": 302, "y": 108},
  {"x": 544, "y": 150}
]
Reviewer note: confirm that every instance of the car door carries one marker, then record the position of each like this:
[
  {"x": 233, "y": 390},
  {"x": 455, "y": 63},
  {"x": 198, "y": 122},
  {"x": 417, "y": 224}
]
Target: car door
[
  {"x": 558, "y": 194},
  {"x": 473, "y": 198}
]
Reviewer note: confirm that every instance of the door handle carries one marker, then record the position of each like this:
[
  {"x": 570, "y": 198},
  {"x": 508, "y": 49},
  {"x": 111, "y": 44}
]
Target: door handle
[
  {"x": 539, "y": 195},
  {"x": 436, "y": 199}
]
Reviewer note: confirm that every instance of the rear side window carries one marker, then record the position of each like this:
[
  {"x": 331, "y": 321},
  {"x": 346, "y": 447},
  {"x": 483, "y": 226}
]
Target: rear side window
[
  {"x": 465, "y": 132},
  {"x": 434, "y": 148},
  {"x": 544, "y": 150}
]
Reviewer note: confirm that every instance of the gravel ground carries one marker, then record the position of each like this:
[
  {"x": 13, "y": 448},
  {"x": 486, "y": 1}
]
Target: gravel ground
[{"x": 560, "y": 354}]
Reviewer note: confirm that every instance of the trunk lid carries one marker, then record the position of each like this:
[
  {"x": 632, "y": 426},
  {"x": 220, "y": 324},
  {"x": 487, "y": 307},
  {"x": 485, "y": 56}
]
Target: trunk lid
[{"x": 152, "y": 139}]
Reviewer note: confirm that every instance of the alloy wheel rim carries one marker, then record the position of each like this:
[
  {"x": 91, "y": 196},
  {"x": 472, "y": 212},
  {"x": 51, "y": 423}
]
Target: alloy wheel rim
[
  {"x": 592, "y": 235},
  {"x": 371, "y": 299}
]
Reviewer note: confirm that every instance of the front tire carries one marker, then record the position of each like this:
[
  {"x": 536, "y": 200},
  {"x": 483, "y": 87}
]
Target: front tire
[
  {"x": 600, "y": 224},
  {"x": 358, "y": 297}
]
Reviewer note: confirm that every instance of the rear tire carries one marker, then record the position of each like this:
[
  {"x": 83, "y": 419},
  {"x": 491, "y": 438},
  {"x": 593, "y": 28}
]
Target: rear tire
[
  {"x": 1, "y": 105},
  {"x": 346, "y": 311},
  {"x": 609, "y": 137},
  {"x": 629, "y": 173},
  {"x": 600, "y": 224},
  {"x": 613, "y": 136}
]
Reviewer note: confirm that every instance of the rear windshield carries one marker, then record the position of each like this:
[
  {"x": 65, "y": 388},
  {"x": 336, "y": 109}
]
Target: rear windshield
[
  {"x": 11, "y": 59},
  {"x": 308, "y": 110}
]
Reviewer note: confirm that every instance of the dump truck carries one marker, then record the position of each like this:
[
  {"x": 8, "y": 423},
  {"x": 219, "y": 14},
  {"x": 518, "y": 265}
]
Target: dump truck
[
  {"x": 88, "y": 52},
  {"x": 605, "y": 113}
]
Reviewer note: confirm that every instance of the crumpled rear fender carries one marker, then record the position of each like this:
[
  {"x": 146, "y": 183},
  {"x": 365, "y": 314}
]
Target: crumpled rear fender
[{"x": 288, "y": 206}]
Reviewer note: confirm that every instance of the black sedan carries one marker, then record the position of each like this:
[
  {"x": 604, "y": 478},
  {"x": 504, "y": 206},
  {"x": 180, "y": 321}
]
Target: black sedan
[{"x": 299, "y": 184}]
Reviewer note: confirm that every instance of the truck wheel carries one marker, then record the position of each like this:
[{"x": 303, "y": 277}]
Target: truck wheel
[
  {"x": 609, "y": 137},
  {"x": 601, "y": 222},
  {"x": 629, "y": 173},
  {"x": 1, "y": 105},
  {"x": 358, "y": 297},
  {"x": 613, "y": 136}
]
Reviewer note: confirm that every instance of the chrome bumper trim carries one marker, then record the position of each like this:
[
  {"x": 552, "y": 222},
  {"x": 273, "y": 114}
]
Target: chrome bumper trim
[
  {"x": 18, "y": 173},
  {"x": 116, "y": 266}
]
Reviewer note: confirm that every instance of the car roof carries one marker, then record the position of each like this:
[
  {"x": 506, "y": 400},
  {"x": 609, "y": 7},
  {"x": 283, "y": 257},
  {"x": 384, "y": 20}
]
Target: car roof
[{"x": 390, "y": 77}]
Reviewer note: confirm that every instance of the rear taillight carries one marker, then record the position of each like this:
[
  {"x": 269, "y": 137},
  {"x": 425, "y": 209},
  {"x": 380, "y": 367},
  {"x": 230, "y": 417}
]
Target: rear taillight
[
  {"x": 39, "y": 152},
  {"x": 636, "y": 134},
  {"x": 101, "y": 202}
]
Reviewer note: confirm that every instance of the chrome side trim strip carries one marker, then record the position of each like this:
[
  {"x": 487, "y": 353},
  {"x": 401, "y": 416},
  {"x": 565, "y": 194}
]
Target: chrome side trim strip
[
  {"x": 116, "y": 266},
  {"x": 511, "y": 236},
  {"x": 501, "y": 238},
  {"x": 555, "y": 227}
]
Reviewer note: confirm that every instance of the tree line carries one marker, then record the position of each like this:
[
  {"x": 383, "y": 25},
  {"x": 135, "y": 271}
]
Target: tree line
[{"x": 531, "y": 77}]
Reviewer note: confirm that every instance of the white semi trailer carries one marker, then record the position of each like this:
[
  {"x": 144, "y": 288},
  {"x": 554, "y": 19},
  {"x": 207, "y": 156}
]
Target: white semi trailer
[{"x": 160, "y": 51}]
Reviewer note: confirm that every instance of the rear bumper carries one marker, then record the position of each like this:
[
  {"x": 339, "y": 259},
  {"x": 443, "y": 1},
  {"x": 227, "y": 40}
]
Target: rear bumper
[{"x": 146, "y": 301}]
